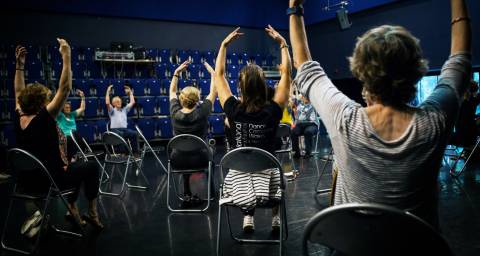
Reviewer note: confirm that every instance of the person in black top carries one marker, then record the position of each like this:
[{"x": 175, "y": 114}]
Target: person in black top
[
  {"x": 190, "y": 116},
  {"x": 253, "y": 122},
  {"x": 465, "y": 128},
  {"x": 37, "y": 132}
]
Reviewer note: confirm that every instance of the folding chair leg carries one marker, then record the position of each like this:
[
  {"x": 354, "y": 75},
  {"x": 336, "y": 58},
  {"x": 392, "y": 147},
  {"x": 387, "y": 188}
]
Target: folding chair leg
[
  {"x": 219, "y": 229},
  {"x": 122, "y": 189},
  {"x": 452, "y": 171},
  {"x": 320, "y": 175}
]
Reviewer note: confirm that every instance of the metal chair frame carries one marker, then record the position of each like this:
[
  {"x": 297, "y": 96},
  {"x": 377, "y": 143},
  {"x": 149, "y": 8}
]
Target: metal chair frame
[
  {"x": 85, "y": 155},
  {"x": 53, "y": 191},
  {"x": 284, "y": 133},
  {"x": 457, "y": 174},
  {"x": 110, "y": 141},
  {"x": 320, "y": 174},
  {"x": 259, "y": 160},
  {"x": 201, "y": 144},
  {"x": 146, "y": 149}
]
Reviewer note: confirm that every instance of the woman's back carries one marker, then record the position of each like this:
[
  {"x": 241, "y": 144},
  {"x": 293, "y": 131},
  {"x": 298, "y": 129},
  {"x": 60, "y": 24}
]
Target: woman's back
[{"x": 195, "y": 122}]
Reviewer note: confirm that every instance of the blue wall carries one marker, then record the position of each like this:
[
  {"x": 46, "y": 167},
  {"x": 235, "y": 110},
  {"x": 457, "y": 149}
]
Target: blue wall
[{"x": 429, "y": 20}]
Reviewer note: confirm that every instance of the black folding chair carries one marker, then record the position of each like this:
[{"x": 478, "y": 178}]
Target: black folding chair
[
  {"x": 88, "y": 153},
  {"x": 195, "y": 145},
  {"x": 111, "y": 142},
  {"x": 320, "y": 174},
  {"x": 284, "y": 134},
  {"x": 146, "y": 149},
  {"x": 472, "y": 149},
  {"x": 373, "y": 230},
  {"x": 22, "y": 161},
  {"x": 252, "y": 160}
]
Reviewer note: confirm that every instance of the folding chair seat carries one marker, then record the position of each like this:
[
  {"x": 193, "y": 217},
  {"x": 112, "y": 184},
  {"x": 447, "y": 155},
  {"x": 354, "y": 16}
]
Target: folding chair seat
[
  {"x": 24, "y": 163},
  {"x": 217, "y": 124},
  {"x": 204, "y": 86},
  {"x": 217, "y": 107},
  {"x": 147, "y": 105},
  {"x": 113, "y": 142},
  {"x": 161, "y": 70},
  {"x": 165, "y": 56},
  {"x": 195, "y": 147},
  {"x": 233, "y": 71},
  {"x": 251, "y": 160},
  {"x": 86, "y": 130},
  {"x": 163, "y": 105},
  {"x": 139, "y": 87},
  {"x": 165, "y": 128},
  {"x": 372, "y": 229}
]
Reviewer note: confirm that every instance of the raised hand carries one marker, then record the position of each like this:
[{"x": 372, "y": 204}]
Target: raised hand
[
  {"x": 80, "y": 93},
  {"x": 296, "y": 2},
  {"x": 232, "y": 36},
  {"x": 182, "y": 67},
  {"x": 20, "y": 55},
  {"x": 64, "y": 47},
  {"x": 109, "y": 89},
  {"x": 275, "y": 35},
  {"x": 209, "y": 68},
  {"x": 127, "y": 89}
]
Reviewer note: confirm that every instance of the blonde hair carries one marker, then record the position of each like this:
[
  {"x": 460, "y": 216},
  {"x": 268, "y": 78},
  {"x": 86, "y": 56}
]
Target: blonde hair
[
  {"x": 389, "y": 62},
  {"x": 189, "y": 96}
]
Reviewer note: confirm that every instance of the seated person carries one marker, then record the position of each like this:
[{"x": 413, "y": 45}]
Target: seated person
[
  {"x": 253, "y": 122},
  {"x": 118, "y": 117},
  {"x": 190, "y": 116},
  {"x": 66, "y": 122},
  {"x": 38, "y": 133},
  {"x": 465, "y": 134},
  {"x": 306, "y": 124}
]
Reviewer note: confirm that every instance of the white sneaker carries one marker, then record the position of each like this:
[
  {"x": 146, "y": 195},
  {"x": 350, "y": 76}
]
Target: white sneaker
[
  {"x": 33, "y": 231},
  {"x": 276, "y": 223},
  {"x": 248, "y": 224},
  {"x": 31, "y": 222}
]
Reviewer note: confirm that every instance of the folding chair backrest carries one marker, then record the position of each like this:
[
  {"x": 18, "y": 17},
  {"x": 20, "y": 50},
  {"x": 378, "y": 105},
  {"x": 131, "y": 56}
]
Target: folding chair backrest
[
  {"x": 188, "y": 142},
  {"x": 22, "y": 161},
  {"x": 251, "y": 160},
  {"x": 111, "y": 139},
  {"x": 373, "y": 229},
  {"x": 283, "y": 131}
]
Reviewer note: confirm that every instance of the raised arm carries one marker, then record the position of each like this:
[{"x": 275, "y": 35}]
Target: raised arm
[
  {"x": 461, "y": 29},
  {"x": 298, "y": 36},
  {"x": 107, "y": 98},
  {"x": 220, "y": 82},
  {"x": 129, "y": 92},
  {"x": 65, "y": 84},
  {"x": 81, "y": 109},
  {"x": 282, "y": 94},
  {"x": 19, "y": 83},
  {"x": 213, "y": 91},
  {"x": 176, "y": 75}
]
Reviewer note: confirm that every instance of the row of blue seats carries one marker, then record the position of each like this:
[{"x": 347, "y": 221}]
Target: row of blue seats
[
  {"x": 141, "y": 87},
  {"x": 82, "y": 70},
  {"x": 152, "y": 128},
  {"x": 95, "y": 107},
  {"x": 87, "y": 54}
]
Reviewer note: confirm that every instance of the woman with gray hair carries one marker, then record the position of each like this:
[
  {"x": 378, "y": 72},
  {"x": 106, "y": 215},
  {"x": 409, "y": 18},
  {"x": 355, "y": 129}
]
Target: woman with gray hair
[{"x": 388, "y": 152}]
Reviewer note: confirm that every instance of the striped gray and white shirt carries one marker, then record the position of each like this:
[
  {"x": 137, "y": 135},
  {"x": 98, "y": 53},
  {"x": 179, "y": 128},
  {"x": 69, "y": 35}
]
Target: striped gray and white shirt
[{"x": 402, "y": 172}]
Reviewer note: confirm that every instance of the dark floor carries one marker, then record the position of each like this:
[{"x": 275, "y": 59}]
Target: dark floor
[{"x": 140, "y": 224}]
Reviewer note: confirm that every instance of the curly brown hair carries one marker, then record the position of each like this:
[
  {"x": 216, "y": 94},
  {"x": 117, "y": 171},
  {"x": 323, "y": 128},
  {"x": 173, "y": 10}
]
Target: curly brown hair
[
  {"x": 253, "y": 88},
  {"x": 33, "y": 98},
  {"x": 389, "y": 62}
]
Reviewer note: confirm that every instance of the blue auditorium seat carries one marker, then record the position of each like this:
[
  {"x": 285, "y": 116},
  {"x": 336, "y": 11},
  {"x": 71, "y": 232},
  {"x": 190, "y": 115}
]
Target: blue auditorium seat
[
  {"x": 100, "y": 127},
  {"x": 91, "y": 107},
  {"x": 233, "y": 71},
  {"x": 147, "y": 105},
  {"x": 74, "y": 103},
  {"x": 165, "y": 56},
  {"x": 153, "y": 86},
  {"x": 269, "y": 60},
  {"x": 232, "y": 59},
  {"x": 196, "y": 57},
  {"x": 217, "y": 108},
  {"x": 209, "y": 57},
  {"x": 244, "y": 59},
  {"x": 161, "y": 70},
  {"x": 139, "y": 87},
  {"x": 165, "y": 86},
  {"x": 118, "y": 85},
  {"x": 151, "y": 54},
  {"x": 8, "y": 109},
  {"x": 182, "y": 56},
  {"x": 171, "y": 69},
  {"x": 99, "y": 87},
  {"x": 33, "y": 70},
  {"x": 79, "y": 70},
  {"x": 233, "y": 84},
  {"x": 83, "y": 85},
  {"x": 86, "y": 130},
  {"x": 258, "y": 59},
  {"x": 194, "y": 71},
  {"x": 7, "y": 135},
  {"x": 271, "y": 83},
  {"x": 8, "y": 88},
  {"x": 163, "y": 105},
  {"x": 204, "y": 72},
  {"x": 217, "y": 125},
  {"x": 165, "y": 127},
  {"x": 33, "y": 53},
  {"x": 182, "y": 83},
  {"x": 148, "y": 127},
  {"x": 204, "y": 86}
]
